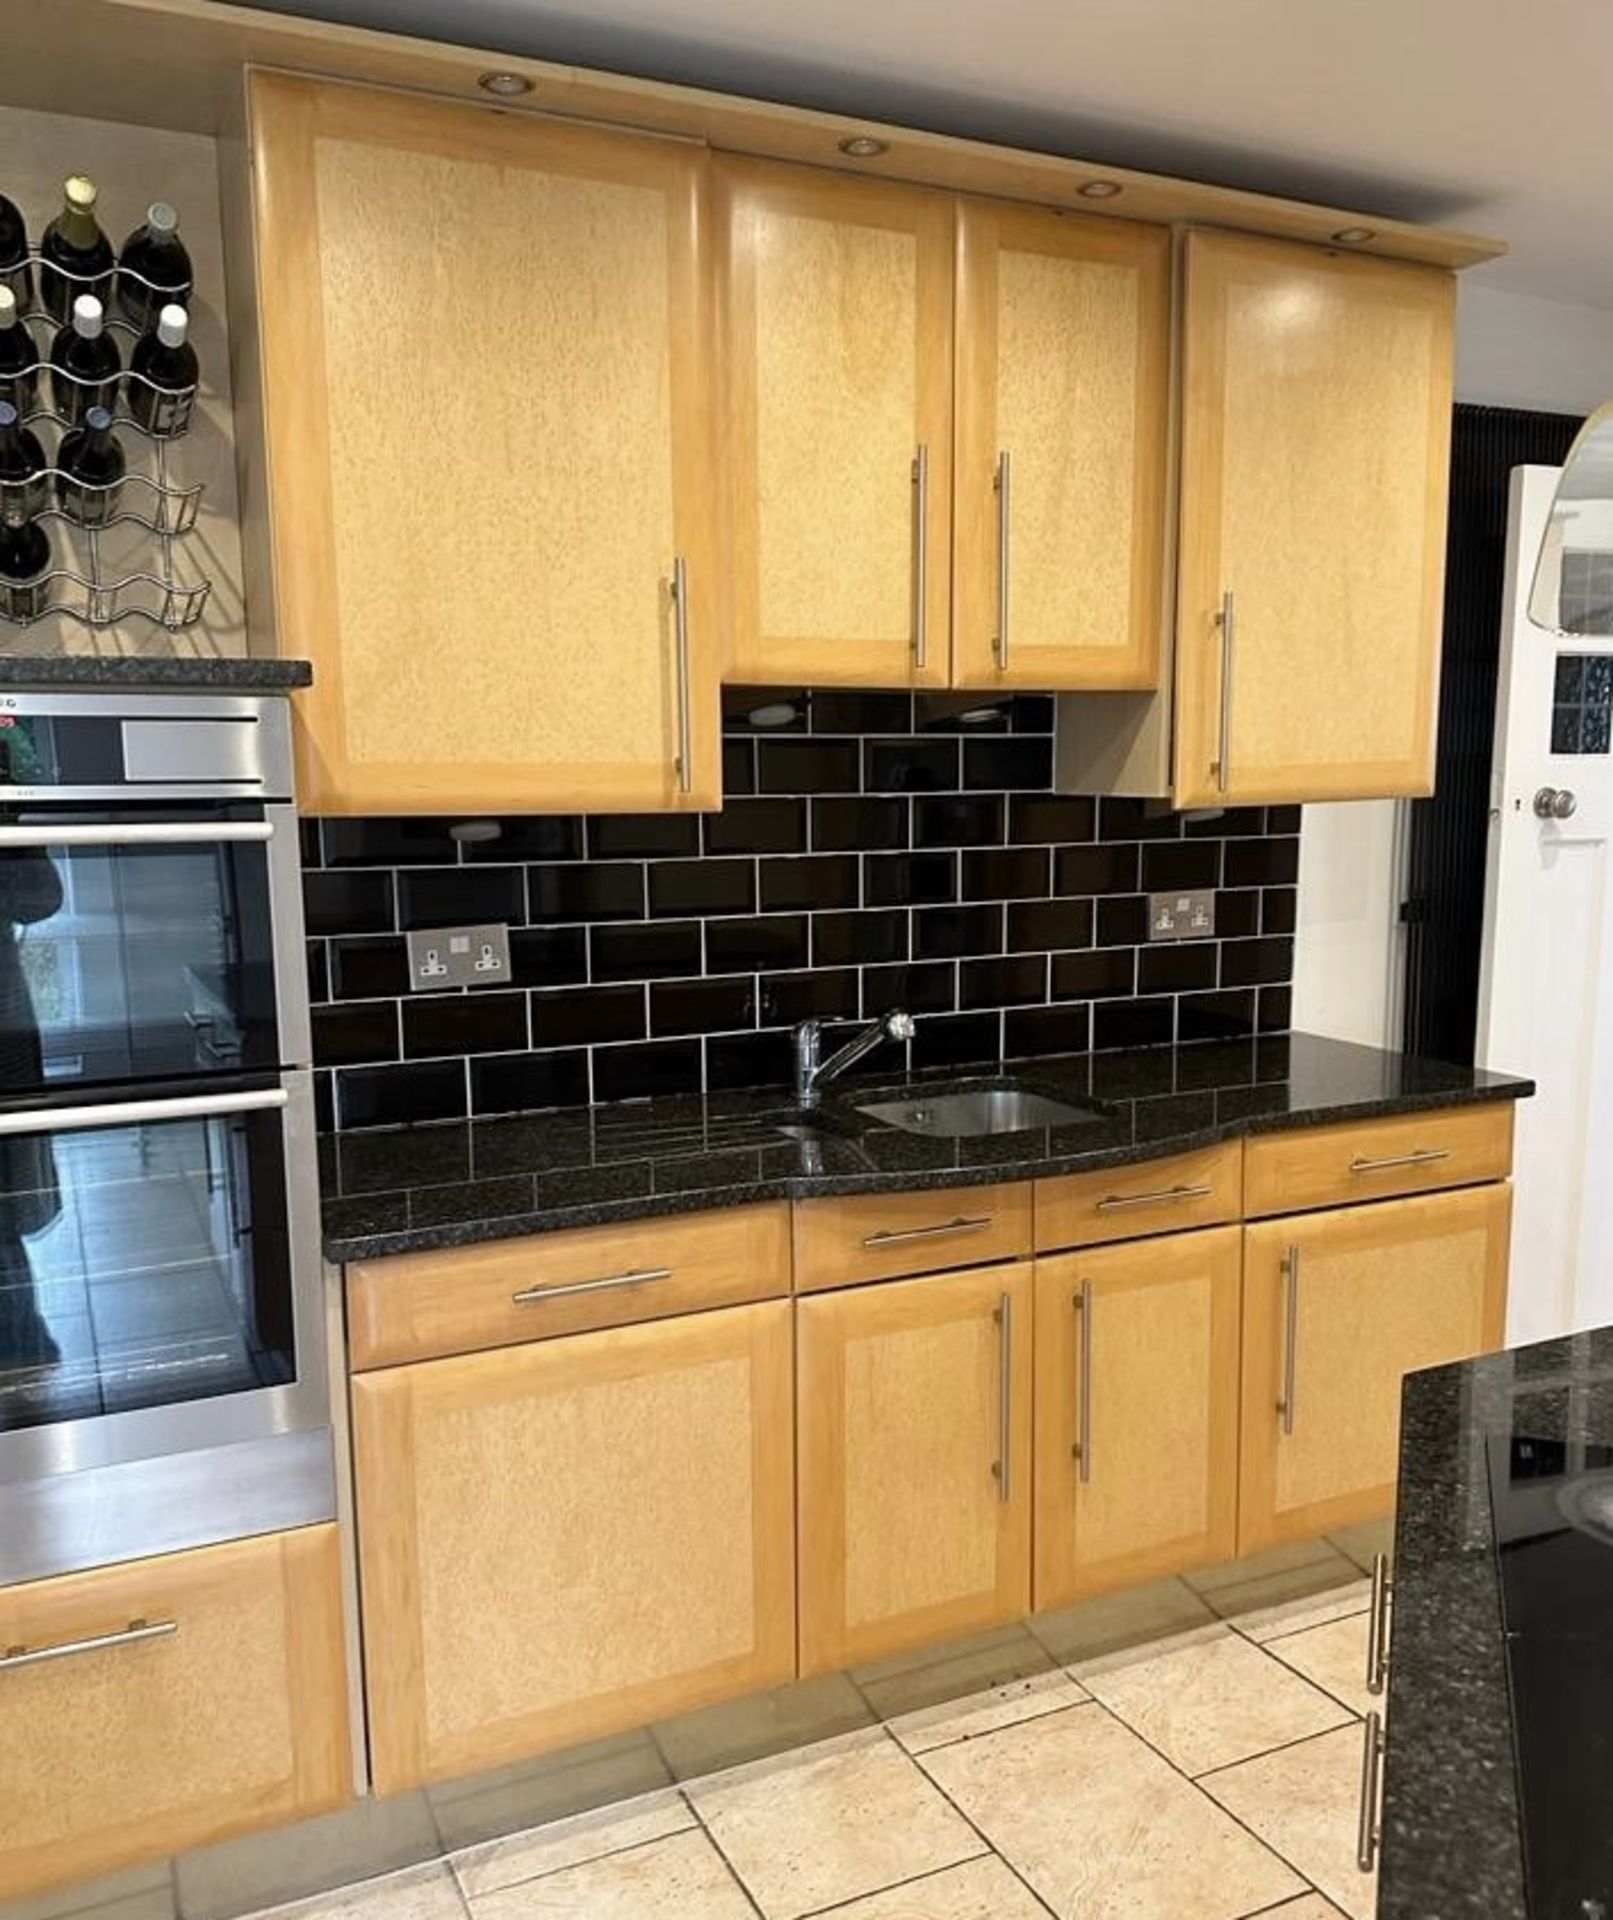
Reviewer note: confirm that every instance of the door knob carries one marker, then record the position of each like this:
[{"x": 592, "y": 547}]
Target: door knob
[{"x": 1556, "y": 803}]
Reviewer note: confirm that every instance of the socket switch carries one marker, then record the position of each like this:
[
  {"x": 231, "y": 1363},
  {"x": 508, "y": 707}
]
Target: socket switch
[
  {"x": 1182, "y": 916},
  {"x": 459, "y": 957}
]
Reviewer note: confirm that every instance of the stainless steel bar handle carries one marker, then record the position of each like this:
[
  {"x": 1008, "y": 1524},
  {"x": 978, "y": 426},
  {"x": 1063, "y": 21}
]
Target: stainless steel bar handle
[
  {"x": 1003, "y": 534},
  {"x": 895, "y": 1236},
  {"x": 1161, "y": 1196},
  {"x": 1083, "y": 1386},
  {"x": 131, "y": 1635},
  {"x": 1226, "y": 620},
  {"x": 1285, "y": 1406},
  {"x": 176, "y": 833},
  {"x": 680, "y": 620},
  {"x": 1368, "y": 1831},
  {"x": 1378, "y": 1625},
  {"x": 528, "y": 1295},
  {"x": 136, "y": 1113},
  {"x": 1424, "y": 1157},
  {"x": 1004, "y": 1466},
  {"x": 921, "y": 555}
]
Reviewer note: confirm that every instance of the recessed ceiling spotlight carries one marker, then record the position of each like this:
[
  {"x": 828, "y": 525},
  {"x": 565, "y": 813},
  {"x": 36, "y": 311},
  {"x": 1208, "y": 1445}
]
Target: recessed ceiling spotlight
[
  {"x": 863, "y": 146},
  {"x": 505, "y": 85},
  {"x": 471, "y": 833},
  {"x": 1354, "y": 236},
  {"x": 777, "y": 713},
  {"x": 979, "y": 716},
  {"x": 1099, "y": 189}
]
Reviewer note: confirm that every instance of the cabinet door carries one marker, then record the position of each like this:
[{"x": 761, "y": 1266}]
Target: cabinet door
[
  {"x": 1059, "y": 523},
  {"x": 837, "y": 297},
  {"x": 169, "y": 1703},
  {"x": 562, "y": 1540},
  {"x": 1337, "y": 1308},
  {"x": 1136, "y": 1411},
  {"x": 1315, "y": 462},
  {"x": 486, "y": 361},
  {"x": 915, "y": 1424}
]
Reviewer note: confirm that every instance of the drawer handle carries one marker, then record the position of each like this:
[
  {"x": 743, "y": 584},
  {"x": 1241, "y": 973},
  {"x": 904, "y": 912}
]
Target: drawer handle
[
  {"x": 1378, "y": 1625},
  {"x": 1159, "y": 1197},
  {"x": 528, "y": 1295},
  {"x": 131, "y": 1635},
  {"x": 1423, "y": 1157},
  {"x": 896, "y": 1236},
  {"x": 1368, "y": 1832},
  {"x": 1285, "y": 1406}
]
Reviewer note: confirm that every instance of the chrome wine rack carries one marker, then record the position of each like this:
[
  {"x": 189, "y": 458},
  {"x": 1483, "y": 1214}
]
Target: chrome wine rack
[{"x": 126, "y": 566}]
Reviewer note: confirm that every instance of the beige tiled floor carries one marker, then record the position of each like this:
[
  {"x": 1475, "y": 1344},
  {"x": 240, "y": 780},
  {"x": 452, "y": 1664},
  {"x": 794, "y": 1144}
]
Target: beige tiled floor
[{"x": 1208, "y": 1771}]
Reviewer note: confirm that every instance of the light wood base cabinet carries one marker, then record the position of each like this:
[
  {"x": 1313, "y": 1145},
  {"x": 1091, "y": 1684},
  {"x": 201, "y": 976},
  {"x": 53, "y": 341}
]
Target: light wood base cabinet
[
  {"x": 915, "y": 1465},
  {"x": 565, "y": 1539},
  {"x": 179, "y": 1700},
  {"x": 1338, "y": 1307},
  {"x": 1136, "y": 1411}
]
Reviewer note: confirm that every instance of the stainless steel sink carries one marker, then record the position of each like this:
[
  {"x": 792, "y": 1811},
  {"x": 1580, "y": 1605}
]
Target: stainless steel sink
[{"x": 978, "y": 1110}]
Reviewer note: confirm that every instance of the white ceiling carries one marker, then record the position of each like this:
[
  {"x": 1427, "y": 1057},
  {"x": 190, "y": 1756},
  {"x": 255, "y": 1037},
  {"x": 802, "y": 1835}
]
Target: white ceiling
[{"x": 1484, "y": 114}]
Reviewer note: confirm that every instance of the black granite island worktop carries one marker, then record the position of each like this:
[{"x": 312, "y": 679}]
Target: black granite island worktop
[
  {"x": 153, "y": 673},
  {"x": 405, "y": 1189},
  {"x": 1452, "y": 1818}
]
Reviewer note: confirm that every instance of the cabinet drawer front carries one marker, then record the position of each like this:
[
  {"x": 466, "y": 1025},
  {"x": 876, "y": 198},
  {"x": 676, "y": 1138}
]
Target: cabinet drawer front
[
  {"x": 1377, "y": 1159},
  {"x": 1123, "y": 1203},
  {"x": 420, "y": 1306},
  {"x": 877, "y": 1237},
  {"x": 168, "y": 1703}
]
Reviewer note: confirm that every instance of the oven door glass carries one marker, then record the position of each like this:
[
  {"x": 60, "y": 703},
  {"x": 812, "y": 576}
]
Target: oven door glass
[
  {"x": 145, "y": 1258},
  {"x": 133, "y": 950}
]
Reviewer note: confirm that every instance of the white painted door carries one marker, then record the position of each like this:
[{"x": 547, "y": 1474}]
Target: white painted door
[{"x": 1546, "y": 990}]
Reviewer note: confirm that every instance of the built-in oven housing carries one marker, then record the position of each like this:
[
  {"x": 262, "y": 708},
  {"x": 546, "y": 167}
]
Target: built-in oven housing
[{"x": 164, "y": 1357}]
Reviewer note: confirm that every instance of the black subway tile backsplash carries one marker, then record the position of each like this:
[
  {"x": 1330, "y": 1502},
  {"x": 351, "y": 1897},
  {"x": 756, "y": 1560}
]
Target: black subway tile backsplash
[{"x": 878, "y": 850}]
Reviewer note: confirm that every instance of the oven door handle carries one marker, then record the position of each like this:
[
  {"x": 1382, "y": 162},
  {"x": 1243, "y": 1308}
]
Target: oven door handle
[
  {"x": 139, "y": 833},
  {"x": 132, "y": 1113}
]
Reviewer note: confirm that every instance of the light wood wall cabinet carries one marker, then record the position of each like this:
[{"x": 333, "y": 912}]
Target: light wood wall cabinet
[
  {"x": 1063, "y": 342},
  {"x": 1136, "y": 1412},
  {"x": 169, "y": 1703},
  {"x": 837, "y": 315},
  {"x": 1314, "y": 468},
  {"x": 1338, "y": 1307},
  {"x": 565, "y": 1539},
  {"x": 915, "y": 1425},
  {"x": 487, "y": 367}
]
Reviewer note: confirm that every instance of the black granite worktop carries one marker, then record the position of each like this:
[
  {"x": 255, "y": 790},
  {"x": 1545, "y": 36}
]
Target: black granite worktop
[
  {"x": 157, "y": 673},
  {"x": 1452, "y": 1844},
  {"x": 399, "y": 1190}
]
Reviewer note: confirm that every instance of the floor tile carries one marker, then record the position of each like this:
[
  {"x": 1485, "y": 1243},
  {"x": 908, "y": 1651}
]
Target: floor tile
[
  {"x": 981, "y": 1889},
  {"x": 906, "y": 1683},
  {"x": 1311, "y": 1907},
  {"x": 567, "y": 1843},
  {"x": 1102, "y": 1827},
  {"x": 1263, "y": 1623},
  {"x": 1334, "y": 1657},
  {"x": 1209, "y": 1699},
  {"x": 1114, "y": 1620},
  {"x": 729, "y": 1734},
  {"x": 849, "y": 1817},
  {"x": 1303, "y": 1802},
  {"x": 981, "y": 1713},
  {"x": 679, "y": 1878},
  {"x": 423, "y": 1893}
]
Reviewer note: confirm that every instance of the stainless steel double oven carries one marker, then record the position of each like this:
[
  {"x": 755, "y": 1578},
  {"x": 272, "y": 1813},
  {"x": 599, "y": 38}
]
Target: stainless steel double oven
[{"x": 163, "y": 1350}]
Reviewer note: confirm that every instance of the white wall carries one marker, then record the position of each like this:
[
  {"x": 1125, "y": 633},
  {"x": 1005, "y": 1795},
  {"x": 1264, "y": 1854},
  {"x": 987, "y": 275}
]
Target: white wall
[{"x": 1512, "y": 350}]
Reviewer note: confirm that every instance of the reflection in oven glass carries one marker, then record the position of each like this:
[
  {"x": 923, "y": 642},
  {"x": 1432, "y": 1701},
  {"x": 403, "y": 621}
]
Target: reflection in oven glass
[{"x": 127, "y": 1270}]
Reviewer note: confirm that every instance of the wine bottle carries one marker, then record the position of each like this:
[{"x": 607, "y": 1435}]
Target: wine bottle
[
  {"x": 75, "y": 256},
  {"x": 90, "y": 473},
  {"x": 19, "y": 357},
  {"x": 165, "y": 371},
  {"x": 14, "y": 271},
  {"x": 24, "y": 491},
  {"x": 84, "y": 363},
  {"x": 24, "y": 562},
  {"x": 154, "y": 268}
]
